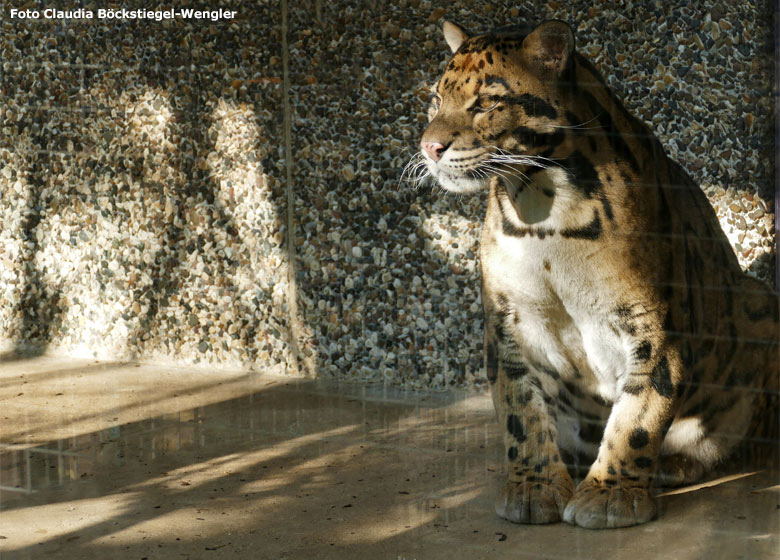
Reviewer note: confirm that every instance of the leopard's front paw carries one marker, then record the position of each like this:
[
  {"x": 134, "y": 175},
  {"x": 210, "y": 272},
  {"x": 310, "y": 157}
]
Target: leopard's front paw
[
  {"x": 535, "y": 499},
  {"x": 597, "y": 506}
]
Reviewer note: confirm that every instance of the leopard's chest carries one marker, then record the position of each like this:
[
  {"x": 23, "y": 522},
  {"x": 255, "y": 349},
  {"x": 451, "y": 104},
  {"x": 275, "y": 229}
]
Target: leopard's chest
[{"x": 558, "y": 301}]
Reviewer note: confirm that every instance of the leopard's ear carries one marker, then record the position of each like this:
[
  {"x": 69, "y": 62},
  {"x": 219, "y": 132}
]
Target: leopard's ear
[
  {"x": 549, "y": 48},
  {"x": 454, "y": 34}
]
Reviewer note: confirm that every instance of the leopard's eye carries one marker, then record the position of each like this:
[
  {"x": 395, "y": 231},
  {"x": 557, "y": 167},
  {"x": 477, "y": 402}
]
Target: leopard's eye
[{"x": 485, "y": 104}]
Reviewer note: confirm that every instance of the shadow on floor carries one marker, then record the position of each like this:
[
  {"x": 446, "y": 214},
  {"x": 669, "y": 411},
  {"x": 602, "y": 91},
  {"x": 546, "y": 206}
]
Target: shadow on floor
[{"x": 304, "y": 469}]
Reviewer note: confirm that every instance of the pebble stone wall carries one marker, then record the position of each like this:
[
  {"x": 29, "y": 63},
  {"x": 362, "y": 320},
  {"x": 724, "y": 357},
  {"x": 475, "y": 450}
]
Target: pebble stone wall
[{"x": 227, "y": 192}]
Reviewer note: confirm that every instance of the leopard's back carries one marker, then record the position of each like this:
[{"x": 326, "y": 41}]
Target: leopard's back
[{"x": 727, "y": 322}]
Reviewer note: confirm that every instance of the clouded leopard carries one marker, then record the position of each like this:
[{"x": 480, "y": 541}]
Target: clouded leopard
[{"x": 618, "y": 323}]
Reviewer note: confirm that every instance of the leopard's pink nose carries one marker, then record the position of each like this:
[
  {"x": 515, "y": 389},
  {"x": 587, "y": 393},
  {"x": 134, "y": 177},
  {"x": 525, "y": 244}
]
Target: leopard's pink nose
[{"x": 434, "y": 149}]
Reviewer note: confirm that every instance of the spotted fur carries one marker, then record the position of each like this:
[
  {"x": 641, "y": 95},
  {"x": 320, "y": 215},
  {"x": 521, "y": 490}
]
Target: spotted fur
[{"x": 620, "y": 329}]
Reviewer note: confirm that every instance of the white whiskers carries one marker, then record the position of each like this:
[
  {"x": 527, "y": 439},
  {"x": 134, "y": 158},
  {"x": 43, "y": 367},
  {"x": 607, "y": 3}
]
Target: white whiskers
[
  {"x": 416, "y": 171},
  {"x": 505, "y": 164},
  {"x": 581, "y": 126},
  {"x": 507, "y": 158},
  {"x": 495, "y": 163}
]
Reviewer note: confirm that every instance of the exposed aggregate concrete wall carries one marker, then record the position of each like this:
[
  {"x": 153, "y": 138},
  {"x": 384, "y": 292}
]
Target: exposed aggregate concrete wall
[{"x": 152, "y": 173}]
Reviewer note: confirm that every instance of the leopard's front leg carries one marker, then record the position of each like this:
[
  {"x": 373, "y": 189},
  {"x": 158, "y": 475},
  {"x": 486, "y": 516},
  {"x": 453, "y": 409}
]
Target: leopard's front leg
[
  {"x": 616, "y": 492},
  {"x": 538, "y": 485}
]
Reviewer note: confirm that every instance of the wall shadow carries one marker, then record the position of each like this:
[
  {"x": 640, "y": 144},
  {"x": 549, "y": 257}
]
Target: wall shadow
[
  {"x": 257, "y": 451},
  {"x": 127, "y": 184},
  {"x": 363, "y": 471}
]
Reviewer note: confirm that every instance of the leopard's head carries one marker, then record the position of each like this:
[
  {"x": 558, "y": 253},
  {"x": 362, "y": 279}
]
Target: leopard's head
[{"x": 500, "y": 108}]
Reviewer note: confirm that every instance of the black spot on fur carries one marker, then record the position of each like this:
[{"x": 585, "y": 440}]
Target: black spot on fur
[
  {"x": 575, "y": 122},
  {"x": 626, "y": 474},
  {"x": 611, "y": 470},
  {"x": 513, "y": 231},
  {"x": 761, "y": 313},
  {"x": 514, "y": 426},
  {"x": 501, "y": 312},
  {"x": 491, "y": 363},
  {"x": 643, "y": 462},
  {"x": 532, "y": 105},
  {"x": 582, "y": 174},
  {"x": 610, "y": 130},
  {"x": 661, "y": 380},
  {"x": 573, "y": 389},
  {"x": 625, "y": 319},
  {"x": 515, "y": 371},
  {"x": 490, "y": 80},
  {"x": 525, "y": 397},
  {"x": 639, "y": 438},
  {"x": 643, "y": 351},
  {"x": 539, "y": 467},
  {"x": 512, "y": 453},
  {"x": 607, "y": 205},
  {"x": 697, "y": 406},
  {"x": 668, "y": 325},
  {"x": 623, "y": 312},
  {"x": 591, "y": 432},
  {"x": 590, "y": 232},
  {"x": 687, "y": 355},
  {"x": 530, "y": 138},
  {"x": 534, "y": 478},
  {"x": 633, "y": 387}
]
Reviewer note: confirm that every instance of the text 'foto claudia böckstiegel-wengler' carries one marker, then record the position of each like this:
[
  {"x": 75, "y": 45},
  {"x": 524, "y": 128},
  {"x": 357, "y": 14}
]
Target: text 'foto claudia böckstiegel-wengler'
[{"x": 122, "y": 13}]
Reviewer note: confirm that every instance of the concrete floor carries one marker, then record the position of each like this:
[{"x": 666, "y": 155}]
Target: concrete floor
[{"x": 109, "y": 460}]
